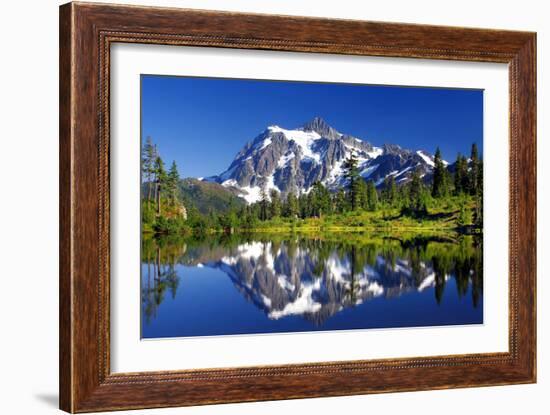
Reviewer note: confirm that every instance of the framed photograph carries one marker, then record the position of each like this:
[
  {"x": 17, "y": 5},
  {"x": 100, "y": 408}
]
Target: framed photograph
[{"x": 259, "y": 207}]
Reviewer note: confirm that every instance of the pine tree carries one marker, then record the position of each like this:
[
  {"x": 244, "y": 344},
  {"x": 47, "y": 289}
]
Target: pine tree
[
  {"x": 372, "y": 196},
  {"x": 440, "y": 186},
  {"x": 161, "y": 179},
  {"x": 479, "y": 191},
  {"x": 264, "y": 203},
  {"x": 230, "y": 220},
  {"x": 255, "y": 211},
  {"x": 478, "y": 209},
  {"x": 154, "y": 178},
  {"x": 417, "y": 201},
  {"x": 249, "y": 217},
  {"x": 324, "y": 200},
  {"x": 390, "y": 190},
  {"x": 275, "y": 207},
  {"x": 385, "y": 189},
  {"x": 351, "y": 172},
  {"x": 362, "y": 194},
  {"x": 304, "y": 206},
  {"x": 172, "y": 183},
  {"x": 311, "y": 204},
  {"x": 461, "y": 175},
  {"x": 340, "y": 202},
  {"x": 291, "y": 206},
  {"x": 403, "y": 194},
  {"x": 474, "y": 180},
  {"x": 148, "y": 158},
  {"x": 314, "y": 201},
  {"x": 448, "y": 181}
]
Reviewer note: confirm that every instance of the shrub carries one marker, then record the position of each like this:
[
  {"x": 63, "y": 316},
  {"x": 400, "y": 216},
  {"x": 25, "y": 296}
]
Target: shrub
[{"x": 163, "y": 225}]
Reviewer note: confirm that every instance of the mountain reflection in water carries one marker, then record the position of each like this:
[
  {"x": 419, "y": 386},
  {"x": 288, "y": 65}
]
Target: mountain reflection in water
[{"x": 298, "y": 283}]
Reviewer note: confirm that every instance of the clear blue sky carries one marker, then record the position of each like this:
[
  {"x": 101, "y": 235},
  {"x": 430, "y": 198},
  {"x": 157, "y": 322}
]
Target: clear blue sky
[{"x": 201, "y": 123}]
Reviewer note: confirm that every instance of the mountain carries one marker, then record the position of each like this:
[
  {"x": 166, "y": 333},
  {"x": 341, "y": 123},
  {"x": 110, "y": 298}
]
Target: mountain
[
  {"x": 293, "y": 160},
  {"x": 207, "y": 196}
]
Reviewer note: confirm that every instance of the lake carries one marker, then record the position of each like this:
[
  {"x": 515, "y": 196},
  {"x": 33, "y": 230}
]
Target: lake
[{"x": 258, "y": 283}]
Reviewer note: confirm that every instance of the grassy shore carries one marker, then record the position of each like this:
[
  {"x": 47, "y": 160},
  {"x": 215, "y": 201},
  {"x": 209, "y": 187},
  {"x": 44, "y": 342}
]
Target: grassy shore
[
  {"x": 439, "y": 218},
  {"x": 387, "y": 221}
]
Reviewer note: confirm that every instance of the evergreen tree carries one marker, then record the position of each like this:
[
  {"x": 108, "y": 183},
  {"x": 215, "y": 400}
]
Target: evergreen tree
[
  {"x": 385, "y": 189},
  {"x": 461, "y": 174},
  {"x": 320, "y": 200},
  {"x": 475, "y": 184},
  {"x": 255, "y": 211},
  {"x": 403, "y": 194},
  {"x": 264, "y": 204},
  {"x": 291, "y": 206},
  {"x": 351, "y": 172},
  {"x": 312, "y": 205},
  {"x": 440, "y": 186},
  {"x": 340, "y": 202},
  {"x": 448, "y": 181},
  {"x": 231, "y": 219},
  {"x": 324, "y": 200},
  {"x": 372, "y": 196},
  {"x": 478, "y": 209},
  {"x": 362, "y": 194},
  {"x": 304, "y": 206},
  {"x": 275, "y": 207},
  {"x": 161, "y": 179},
  {"x": 148, "y": 159},
  {"x": 172, "y": 183},
  {"x": 390, "y": 190},
  {"x": 155, "y": 173},
  {"x": 480, "y": 178},
  {"x": 417, "y": 199},
  {"x": 250, "y": 218}
]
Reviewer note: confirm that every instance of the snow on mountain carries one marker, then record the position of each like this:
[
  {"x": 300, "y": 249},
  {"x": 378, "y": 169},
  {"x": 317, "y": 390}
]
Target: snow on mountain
[
  {"x": 293, "y": 160},
  {"x": 304, "y": 139},
  {"x": 427, "y": 158}
]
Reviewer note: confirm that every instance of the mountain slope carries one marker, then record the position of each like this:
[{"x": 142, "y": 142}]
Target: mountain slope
[
  {"x": 207, "y": 196},
  {"x": 293, "y": 160}
]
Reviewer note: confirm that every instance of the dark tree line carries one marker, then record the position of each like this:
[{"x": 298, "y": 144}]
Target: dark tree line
[{"x": 468, "y": 176}]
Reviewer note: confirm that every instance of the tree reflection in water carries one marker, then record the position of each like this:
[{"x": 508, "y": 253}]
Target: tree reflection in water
[{"x": 315, "y": 277}]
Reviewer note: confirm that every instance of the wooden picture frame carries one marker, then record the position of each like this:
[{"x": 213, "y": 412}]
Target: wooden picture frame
[{"x": 86, "y": 33}]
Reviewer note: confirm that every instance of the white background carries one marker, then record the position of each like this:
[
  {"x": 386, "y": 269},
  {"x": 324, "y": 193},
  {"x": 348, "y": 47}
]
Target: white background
[
  {"x": 29, "y": 208},
  {"x": 129, "y": 354}
]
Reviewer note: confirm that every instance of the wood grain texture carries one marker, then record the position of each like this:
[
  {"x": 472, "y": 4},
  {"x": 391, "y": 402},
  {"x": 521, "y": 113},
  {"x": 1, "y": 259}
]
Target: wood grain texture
[
  {"x": 86, "y": 33},
  {"x": 65, "y": 246}
]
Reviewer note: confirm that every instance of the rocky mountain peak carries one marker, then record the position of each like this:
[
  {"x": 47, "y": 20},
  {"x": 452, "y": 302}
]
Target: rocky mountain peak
[
  {"x": 391, "y": 148},
  {"x": 321, "y": 127},
  {"x": 292, "y": 160}
]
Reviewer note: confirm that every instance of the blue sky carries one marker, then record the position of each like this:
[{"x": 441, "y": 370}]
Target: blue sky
[{"x": 201, "y": 123}]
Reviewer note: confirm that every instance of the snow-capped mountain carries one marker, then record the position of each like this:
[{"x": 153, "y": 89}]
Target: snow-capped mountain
[{"x": 293, "y": 160}]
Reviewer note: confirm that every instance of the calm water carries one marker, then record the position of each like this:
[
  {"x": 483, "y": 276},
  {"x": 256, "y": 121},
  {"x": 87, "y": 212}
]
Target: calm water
[{"x": 259, "y": 284}]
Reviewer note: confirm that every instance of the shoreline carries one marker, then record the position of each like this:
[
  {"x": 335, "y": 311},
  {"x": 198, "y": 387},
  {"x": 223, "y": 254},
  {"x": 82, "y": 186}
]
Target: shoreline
[{"x": 309, "y": 229}]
